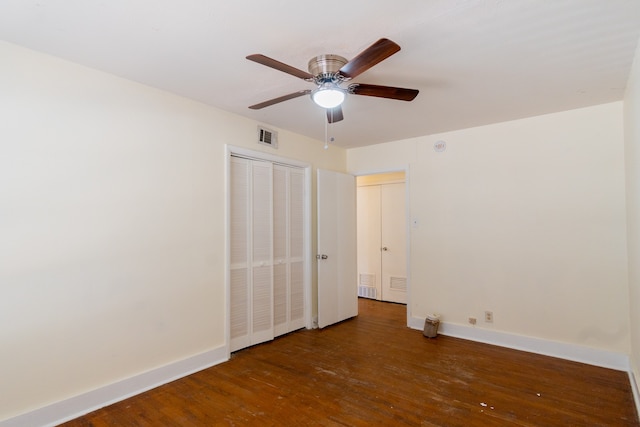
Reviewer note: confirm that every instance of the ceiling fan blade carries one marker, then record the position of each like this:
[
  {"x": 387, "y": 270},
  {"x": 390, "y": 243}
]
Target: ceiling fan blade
[
  {"x": 280, "y": 66},
  {"x": 334, "y": 114},
  {"x": 377, "y": 52},
  {"x": 399, "y": 93},
  {"x": 280, "y": 99}
]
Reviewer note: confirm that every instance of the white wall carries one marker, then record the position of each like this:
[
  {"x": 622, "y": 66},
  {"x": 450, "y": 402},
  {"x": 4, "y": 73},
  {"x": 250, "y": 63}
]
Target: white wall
[
  {"x": 524, "y": 218},
  {"x": 632, "y": 155},
  {"x": 112, "y": 226}
]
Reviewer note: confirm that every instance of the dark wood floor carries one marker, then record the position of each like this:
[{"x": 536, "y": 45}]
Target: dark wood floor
[{"x": 373, "y": 370}]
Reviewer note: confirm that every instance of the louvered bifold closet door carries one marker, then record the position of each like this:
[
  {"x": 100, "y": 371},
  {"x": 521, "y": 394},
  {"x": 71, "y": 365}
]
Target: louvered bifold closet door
[
  {"x": 251, "y": 266},
  {"x": 288, "y": 244},
  {"x": 239, "y": 188},
  {"x": 280, "y": 250},
  {"x": 262, "y": 232},
  {"x": 296, "y": 249}
]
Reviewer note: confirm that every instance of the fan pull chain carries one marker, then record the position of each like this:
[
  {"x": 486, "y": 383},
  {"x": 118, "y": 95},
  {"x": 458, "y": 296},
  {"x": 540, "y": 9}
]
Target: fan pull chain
[{"x": 326, "y": 133}]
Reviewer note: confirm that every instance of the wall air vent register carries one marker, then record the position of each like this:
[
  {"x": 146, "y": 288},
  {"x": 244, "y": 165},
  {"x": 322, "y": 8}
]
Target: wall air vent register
[{"x": 267, "y": 137}]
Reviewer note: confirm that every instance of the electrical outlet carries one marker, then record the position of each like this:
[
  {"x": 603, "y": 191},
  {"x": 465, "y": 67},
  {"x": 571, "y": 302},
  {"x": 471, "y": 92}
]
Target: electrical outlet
[
  {"x": 488, "y": 316},
  {"x": 472, "y": 320}
]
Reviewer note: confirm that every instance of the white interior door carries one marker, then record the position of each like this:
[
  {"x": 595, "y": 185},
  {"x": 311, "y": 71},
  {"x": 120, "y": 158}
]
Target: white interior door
[
  {"x": 369, "y": 243},
  {"x": 394, "y": 243},
  {"x": 337, "y": 274}
]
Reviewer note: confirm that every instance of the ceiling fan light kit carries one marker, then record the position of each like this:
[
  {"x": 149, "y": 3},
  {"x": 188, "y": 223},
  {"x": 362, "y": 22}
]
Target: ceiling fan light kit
[
  {"x": 328, "y": 95},
  {"x": 328, "y": 72},
  {"x": 325, "y": 69}
]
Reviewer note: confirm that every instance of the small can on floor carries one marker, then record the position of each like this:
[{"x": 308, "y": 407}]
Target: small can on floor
[{"x": 431, "y": 324}]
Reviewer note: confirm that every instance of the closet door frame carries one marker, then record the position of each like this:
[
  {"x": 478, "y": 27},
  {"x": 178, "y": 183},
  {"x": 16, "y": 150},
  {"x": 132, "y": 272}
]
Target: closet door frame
[
  {"x": 231, "y": 150},
  {"x": 410, "y": 222}
]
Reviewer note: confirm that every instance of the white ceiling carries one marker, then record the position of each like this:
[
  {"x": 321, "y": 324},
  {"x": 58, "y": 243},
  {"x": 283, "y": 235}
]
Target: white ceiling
[{"x": 475, "y": 62}]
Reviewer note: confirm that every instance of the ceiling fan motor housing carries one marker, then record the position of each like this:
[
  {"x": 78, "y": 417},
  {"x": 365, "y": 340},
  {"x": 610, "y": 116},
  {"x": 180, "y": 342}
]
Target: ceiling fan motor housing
[{"x": 325, "y": 68}]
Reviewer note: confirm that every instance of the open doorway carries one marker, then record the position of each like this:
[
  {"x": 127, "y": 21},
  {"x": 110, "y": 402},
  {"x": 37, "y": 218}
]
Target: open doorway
[{"x": 382, "y": 237}]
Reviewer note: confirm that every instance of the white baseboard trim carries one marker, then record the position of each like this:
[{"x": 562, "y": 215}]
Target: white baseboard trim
[
  {"x": 76, "y": 406},
  {"x": 573, "y": 352},
  {"x": 636, "y": 390}
]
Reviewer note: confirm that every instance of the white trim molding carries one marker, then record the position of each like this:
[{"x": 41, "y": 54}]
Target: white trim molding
[
  {"x": 84, "y": 403},
  {"x": 635, "y": 388},
  {"x": 573, "y": 352}
]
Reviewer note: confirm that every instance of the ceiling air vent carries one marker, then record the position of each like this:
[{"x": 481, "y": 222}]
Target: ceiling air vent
[{"x": 267, "y": 137}]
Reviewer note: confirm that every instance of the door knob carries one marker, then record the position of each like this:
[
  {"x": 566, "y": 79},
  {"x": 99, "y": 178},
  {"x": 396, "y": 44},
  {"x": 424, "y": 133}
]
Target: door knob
[
  {"x": 322, "y": 256},
  {"x": 385, "y": 249}
]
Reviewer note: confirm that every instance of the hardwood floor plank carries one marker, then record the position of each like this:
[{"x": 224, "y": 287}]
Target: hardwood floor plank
[{"x": 373, "y": 370}]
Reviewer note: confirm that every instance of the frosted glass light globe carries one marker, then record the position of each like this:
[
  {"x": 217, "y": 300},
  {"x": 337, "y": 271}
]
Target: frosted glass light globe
[{"x": 328, "y": 96}]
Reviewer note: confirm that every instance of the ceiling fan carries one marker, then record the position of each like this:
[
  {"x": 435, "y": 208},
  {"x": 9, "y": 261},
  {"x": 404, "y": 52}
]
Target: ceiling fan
[{"x": 329, "y": 71}]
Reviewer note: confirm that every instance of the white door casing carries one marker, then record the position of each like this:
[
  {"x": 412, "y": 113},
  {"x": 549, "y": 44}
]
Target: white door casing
[{"x": 382, "y": 243}]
